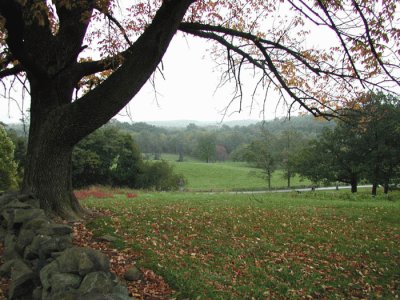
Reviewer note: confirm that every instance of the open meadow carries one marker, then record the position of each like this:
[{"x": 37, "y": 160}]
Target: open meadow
[
  {"x": 325, "y": 245},
  {"x": 227, "y": 176}
]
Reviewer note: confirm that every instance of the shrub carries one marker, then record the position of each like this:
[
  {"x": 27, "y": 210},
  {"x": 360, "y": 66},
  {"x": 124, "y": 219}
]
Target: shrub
[
  {"x": 160, "y": 176},
  {"x": 8, "y": 167}
]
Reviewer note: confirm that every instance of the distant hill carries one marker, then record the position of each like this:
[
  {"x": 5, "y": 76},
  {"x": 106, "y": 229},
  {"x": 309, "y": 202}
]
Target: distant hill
[
  {"x": 184, "y": 123},
  {"x": 305, "y": 124}
]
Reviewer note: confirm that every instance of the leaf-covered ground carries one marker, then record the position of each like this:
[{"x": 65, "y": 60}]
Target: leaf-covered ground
[
  {"x": 151, "y": 286},
  {"x": 223, "y": 246}
]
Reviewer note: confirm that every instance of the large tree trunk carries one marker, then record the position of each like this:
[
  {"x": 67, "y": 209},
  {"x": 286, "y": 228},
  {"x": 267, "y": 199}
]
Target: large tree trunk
[
  {"x": 386, "y": 188},
  {"x": 48, "y": 167},
  {"x": 353, "y": 185},
  {"x": 48, "y": 177},
  {"x": 374, "y": 189}
]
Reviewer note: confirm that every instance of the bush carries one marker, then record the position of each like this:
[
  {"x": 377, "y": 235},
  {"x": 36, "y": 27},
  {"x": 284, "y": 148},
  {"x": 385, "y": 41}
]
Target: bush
[
  {"x": 160, "y": 176},
  {"x": 8, "y": 167},
  {"x": 107, "y": 157},
  {"x": 111, "y": 157}
]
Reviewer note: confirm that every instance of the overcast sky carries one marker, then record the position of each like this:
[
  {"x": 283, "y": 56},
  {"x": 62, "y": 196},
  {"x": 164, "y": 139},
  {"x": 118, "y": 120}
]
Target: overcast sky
[{"x": 187, "y": 93}]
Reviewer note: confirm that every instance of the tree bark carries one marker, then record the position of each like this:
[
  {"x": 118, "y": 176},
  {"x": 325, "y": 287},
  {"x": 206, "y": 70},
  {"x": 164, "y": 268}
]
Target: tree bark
[
  {"x": 353, "y": 185},
  {"x": 386, "y": 188},
  {"x": 48, "y": 177},
  {"x": 48, "y": 168},
  {"x": 373, "y": 190}
]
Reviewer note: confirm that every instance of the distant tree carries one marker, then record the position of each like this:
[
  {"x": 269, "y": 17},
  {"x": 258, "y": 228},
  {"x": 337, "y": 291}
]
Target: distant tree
[
  {"x": 220, "y": 153},
  {"x": 206, "y": 146},
  {"x": 20, "y": 143},
  {"x": 334, "y": 156},
  {"x": 377, "y": 121},
  {"x": 239, "y": 153},
  {"x": 289, "y": 142},
  {"x": 260, "y": 153},
  {"x": 8, "y": 167},
  {"x": 364, "y": 144}
]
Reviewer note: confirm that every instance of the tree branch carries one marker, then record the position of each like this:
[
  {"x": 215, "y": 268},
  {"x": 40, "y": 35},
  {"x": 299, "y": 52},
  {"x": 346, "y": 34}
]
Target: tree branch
[
  {"x": 343, "y": 43},
  {"x": 371, "y": 43},
  {"x": 13, "y": 14},
  {"x": 117, "y": 90},
  {"x": 11, "y": 71},
  {"x": 116, "y": 23}
]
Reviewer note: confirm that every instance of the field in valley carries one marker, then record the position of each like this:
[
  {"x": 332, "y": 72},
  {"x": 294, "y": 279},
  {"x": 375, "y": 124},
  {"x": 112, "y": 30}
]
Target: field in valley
[{"x": 227, "y": 176}]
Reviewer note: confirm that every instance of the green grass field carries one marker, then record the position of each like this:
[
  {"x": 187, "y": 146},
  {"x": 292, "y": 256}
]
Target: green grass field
[
  {"x": 325, "y": 245},
  {"x": 223, "y": 176}
]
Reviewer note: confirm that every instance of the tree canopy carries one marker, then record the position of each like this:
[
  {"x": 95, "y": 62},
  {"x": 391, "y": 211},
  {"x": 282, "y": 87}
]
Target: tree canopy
[
  {"x": 82, "y": 61},
  {"x": 364, "y": 145}
]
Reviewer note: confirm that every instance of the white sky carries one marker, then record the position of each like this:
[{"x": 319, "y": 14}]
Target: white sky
[
  {"x": 187, "y": 93},
  {"x": 190, "y": 91}
]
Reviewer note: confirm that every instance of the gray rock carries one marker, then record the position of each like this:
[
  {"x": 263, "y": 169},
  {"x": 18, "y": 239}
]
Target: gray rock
[
  {"x": 15, "y": 217},
  {"x": 76, "y": 261},
  {"x": 29, "y": 199},
  {"x": 99, "y": 296},
  {"x": 56, "y": 244},
  {"x": 10, "y": 247},
  {"x": 25, "y": 237},
  {"x": 3, "y": 233},
  {"x": 24, "y": 215},
  {"x": 91, "y": 260},
  {"x": 133, "y": 274},
  {"x": 54, "y": 229},
  {"x": 43, "y": 245},
  {"x": 97, "y": 282},
  {"x": 46, "y": 273},
  {"x": 37, "y": 293},
  {"x": 34, "y": 249},
  {"x": 5, "y": 269},
  {"x": 107, "y": 238},
  {"x": 36, "y": 223},
  {"x": 5, "y": 198},
  {"x": 61, "y": 282},
  {"x": 69, "y": 295},
  {"x": 22, "y": 281},
  {"x": 17, "y": 205},
  {"x": 86, "y": 264},
  {"x": 121, "y": 291}
]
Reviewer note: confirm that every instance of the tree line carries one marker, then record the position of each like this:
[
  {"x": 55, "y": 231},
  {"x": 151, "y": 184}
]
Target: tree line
[
  {"x": 214, "y": 142},
  {"x": 363, "y": 145},
  {"x": 119, "y": 153}
]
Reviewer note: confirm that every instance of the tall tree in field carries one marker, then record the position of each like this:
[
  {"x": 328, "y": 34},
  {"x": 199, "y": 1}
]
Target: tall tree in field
[
  {"x": 289, "y": 142},
  {"x": 82, "y": 61},
  {"x": 378, "y": 123},
  {"x": 206, "y": 146},
  {"x": 261, "y": 154},
  {"x": 337, "y": 155}
]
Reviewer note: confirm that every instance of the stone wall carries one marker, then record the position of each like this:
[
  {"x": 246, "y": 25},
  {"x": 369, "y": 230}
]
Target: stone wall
[{"x": 42, "y": 262}]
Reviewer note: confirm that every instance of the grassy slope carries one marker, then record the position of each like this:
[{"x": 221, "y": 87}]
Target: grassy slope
[
  {"x": 226, "y": 175},
  {"x": 223, "y": 246}
]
